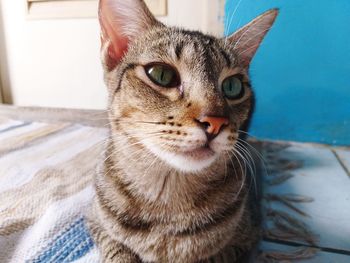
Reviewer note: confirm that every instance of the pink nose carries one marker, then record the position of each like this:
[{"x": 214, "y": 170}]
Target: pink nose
[{"x": 214, "y": 124}]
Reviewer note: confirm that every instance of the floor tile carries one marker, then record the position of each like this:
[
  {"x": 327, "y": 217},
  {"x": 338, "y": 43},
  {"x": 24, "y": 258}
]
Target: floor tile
[
  {"x": 322, "y": 178},
  {"x": 320, "y": 257},
  {"x": 344, "y": 157}
]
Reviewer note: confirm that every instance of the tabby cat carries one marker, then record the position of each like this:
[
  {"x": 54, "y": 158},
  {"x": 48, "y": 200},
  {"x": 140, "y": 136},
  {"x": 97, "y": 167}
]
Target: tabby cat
[{"x": 171, "y": 188}]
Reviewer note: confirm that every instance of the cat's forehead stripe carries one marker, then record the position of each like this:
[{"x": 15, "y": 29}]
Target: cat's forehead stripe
[
  {"x": 178, "y": 49},
  {"x": 200, "y": 42},
  {"x": 226, "y": 57}
]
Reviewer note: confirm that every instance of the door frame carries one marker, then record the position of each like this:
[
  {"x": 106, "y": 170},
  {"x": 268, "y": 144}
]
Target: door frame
[{"x": 5, "y": 92}]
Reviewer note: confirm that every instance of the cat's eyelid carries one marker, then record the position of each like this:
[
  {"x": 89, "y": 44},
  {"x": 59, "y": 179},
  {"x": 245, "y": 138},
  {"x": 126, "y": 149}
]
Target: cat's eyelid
[
  {"x": 158, "y": 62},
  {"x": 227, "y": 72}
]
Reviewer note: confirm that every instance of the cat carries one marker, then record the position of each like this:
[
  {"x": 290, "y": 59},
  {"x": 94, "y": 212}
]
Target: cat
[{"x": 170, "y": 188}]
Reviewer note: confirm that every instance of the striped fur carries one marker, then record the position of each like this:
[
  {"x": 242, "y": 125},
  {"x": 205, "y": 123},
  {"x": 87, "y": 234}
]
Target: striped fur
[{"x": 148, "y": 209}]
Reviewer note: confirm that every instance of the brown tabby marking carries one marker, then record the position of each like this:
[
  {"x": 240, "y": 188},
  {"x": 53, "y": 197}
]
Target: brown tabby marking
[{"x": 172, "y": 187}]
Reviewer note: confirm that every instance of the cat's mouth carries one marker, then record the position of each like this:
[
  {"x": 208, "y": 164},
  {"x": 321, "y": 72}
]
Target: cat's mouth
[
  {"x": 188, "y": 159},
  {"x": 199, "y": 153}
]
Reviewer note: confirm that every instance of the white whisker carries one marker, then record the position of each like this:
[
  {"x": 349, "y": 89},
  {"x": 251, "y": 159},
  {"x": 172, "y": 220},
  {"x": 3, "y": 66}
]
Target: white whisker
[{"x": 231, "y": 19}]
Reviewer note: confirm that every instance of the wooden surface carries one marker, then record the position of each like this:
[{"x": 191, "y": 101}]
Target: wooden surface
[{"x": 96, "y": 118}]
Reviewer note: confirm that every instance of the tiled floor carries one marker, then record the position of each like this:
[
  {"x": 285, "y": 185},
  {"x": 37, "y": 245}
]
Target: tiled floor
[{"x": 322, "y": 174}]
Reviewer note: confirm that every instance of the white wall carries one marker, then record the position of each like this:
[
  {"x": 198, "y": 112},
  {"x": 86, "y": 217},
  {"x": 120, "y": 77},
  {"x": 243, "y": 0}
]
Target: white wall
[
  {"x": 56, "y": 62},
  {"x": 52, "y": 62},
  {"x": 196, "y": 14}
]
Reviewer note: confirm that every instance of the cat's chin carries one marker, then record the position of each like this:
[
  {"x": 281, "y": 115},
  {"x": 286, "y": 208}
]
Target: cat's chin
[{"x": 187, "y": 161}]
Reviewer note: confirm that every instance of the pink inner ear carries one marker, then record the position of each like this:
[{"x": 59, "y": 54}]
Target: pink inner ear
[{"x": 118, "y": 44}]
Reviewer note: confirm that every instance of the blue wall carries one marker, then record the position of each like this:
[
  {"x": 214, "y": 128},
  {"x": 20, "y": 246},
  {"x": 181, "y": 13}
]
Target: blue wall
[{"x": 301, "y": 73}]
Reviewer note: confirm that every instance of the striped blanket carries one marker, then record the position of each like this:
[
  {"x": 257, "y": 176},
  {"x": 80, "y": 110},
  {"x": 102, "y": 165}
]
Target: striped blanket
[
  {"x": 46, "y": 172},
  {"x": 47, "y": 162}
]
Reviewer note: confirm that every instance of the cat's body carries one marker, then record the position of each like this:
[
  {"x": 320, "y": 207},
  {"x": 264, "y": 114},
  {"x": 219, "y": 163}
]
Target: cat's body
[
  {"x": 171, "y": 218},
  {"x": 170, "y": 188}
]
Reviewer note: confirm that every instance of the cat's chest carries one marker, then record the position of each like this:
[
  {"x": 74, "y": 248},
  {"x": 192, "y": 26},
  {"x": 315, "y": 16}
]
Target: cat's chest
[{"x": 183, "y": 237}]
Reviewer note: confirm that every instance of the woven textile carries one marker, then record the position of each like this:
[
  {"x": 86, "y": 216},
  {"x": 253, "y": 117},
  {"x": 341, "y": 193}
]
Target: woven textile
[{"x": 46, "y": 172}]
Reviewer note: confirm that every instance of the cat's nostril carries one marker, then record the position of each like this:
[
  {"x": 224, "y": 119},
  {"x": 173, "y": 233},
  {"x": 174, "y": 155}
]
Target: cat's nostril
[
  {"x": 205, "y": 124},
  {"x": 213, "y": 125}
]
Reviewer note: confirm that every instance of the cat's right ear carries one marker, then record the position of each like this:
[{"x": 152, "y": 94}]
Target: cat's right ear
[
  {"x": 121, "y": 21},
  {"x": 247, "y": 39}
]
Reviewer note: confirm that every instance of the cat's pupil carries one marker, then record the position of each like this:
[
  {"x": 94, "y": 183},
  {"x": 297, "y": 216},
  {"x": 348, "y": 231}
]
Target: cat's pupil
[
  {"x": 232, "y": 88},
  {"x": 162, "y": 75}
]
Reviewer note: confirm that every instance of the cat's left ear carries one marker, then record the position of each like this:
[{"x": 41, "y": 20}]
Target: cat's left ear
[
  {"x": 121, "y": 22},
  {"x": 247, "y": 39}
]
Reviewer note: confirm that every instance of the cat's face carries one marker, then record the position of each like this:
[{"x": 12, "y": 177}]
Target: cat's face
[
  {"x": 169, "y": 87},
  {"x": 180, "y": 95}
]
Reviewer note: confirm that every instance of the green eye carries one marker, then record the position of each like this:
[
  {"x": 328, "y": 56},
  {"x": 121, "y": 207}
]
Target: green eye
[
  {"x": 163, "y": 75},
  {"x": 232, "y": 88}
]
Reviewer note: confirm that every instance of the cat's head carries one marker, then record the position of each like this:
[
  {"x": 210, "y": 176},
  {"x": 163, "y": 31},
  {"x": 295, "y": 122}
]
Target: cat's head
[{"x": 180, "y": 95}]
